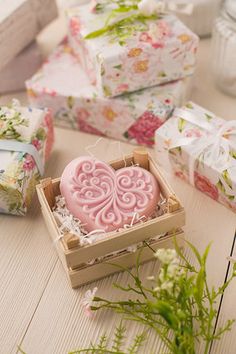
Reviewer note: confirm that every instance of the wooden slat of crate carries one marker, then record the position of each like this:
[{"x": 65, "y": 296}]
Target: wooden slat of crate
[
  {"x": 124, "y": 239},
  {"x": 96, "y": 271}
]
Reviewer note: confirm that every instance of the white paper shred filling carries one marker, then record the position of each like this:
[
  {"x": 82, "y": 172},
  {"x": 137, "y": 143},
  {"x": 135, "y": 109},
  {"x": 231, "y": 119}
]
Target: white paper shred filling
[{"x": 68, "y": 223}]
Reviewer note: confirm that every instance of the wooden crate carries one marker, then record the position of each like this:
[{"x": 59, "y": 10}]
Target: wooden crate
[{"x": 75, "y": 257}]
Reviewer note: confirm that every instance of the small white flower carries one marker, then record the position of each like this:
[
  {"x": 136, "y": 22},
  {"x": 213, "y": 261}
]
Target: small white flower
[
  {"x": 168, "y": 286},
  {"x": 87, "y": 300},
  {"x": 151, "y": 7},
  {"x": 162, "y": 275},
  {"x": 157, "y": 289},
  {"x": 173, "y": 270},
  {"x": 166, "y": 256}
]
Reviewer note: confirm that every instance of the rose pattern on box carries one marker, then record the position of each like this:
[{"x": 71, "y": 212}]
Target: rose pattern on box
[
  {"x": 217, "y": 178},
  {"x": 19, "y": 173},
  {"x": 76, "y": 104},
  {"x": 144, "y": 54}
]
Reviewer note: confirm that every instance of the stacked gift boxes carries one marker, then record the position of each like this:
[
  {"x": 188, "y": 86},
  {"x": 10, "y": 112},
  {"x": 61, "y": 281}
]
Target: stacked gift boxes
[
  {"x": 112, "y": 85},
  {"x": 76, "y": 104}
]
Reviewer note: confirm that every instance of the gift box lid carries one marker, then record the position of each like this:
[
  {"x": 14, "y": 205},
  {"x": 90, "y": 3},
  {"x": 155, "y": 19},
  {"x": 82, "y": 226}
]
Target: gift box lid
[
  {"x": 56, "y": 77},
  {"x": 114, "y": 42}
]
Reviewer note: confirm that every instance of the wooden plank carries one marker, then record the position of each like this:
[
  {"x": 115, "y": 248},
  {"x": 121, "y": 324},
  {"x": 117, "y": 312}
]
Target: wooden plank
[
  {"x": 227, "y": 311},
  {"x": 20, "y": 22},
  {"x": 54, "y": 322},
  {"x": 26, "y": 263},
  {"x": 59, "y": 324},
  {"x": 99, "y": 270}
]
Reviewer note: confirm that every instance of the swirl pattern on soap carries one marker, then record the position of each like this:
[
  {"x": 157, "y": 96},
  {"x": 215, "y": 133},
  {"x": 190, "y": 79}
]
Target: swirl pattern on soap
[{"x": 109, "y": 198}]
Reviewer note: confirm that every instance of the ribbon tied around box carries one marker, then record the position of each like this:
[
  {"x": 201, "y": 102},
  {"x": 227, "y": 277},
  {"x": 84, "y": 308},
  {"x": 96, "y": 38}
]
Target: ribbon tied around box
[
  {"x": 214, "y": 148},
  {"x": 18, "y": 146}
]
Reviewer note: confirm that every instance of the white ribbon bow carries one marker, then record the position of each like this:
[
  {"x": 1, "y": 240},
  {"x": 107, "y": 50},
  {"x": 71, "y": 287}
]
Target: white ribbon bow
[
  {"x": 151, "y": 7},
  {"x": 215, "y": 149}
]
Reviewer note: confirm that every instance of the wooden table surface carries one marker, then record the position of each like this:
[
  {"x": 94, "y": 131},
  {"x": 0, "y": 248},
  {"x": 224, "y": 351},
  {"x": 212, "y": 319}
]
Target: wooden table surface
[{"x": 38, "y": 309}]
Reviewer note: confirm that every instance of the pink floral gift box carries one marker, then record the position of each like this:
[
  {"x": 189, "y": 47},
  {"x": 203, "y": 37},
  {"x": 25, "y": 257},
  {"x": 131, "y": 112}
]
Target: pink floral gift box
[
  {"x": 135, "y": 52},
  {"x": 76, "y": 104},
  {"x": 201, "y": 149},
  {"x": 26, "y": 138}
]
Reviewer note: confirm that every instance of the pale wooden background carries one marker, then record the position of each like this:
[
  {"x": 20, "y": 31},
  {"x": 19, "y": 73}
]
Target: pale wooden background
[{"x": 38, "y": 309}]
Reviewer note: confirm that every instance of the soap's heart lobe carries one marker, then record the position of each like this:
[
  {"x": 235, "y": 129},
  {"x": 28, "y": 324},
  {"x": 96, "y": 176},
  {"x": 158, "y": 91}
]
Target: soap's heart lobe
[{"x": 103, "y": 198}]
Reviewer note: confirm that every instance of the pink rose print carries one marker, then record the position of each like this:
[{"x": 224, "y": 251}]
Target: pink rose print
[
  {"x": 82, "y": 114},
  {"x": 29, "y": 163},
  {"x": 203, "y": 184},
  {"x": 156, "y": 34},
  {"x": 36, "y": 143},
  {"x": 48, "y": 121},
  {"x": 144, "y": 129},
  {"x": 93, "y": 6},
  {"x": 193, "y": 133},
  {"x": 122, "y": 88},
  {"x": 181, "y": 175},
  {"x": 225, "y": 201},
  {"x": 74, "y": 26},
  {"x": 144, "y": 37},
  {"x": 87, "y": 128}
]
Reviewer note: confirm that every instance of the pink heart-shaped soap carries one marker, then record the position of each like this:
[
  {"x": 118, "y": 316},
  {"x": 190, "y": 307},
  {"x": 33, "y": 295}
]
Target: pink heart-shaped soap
[{"x": 103, "y": 198}]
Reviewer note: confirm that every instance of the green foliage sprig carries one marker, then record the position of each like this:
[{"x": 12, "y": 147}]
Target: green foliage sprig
[
  {"x": 179, "y": 306},
  {"x": 123, "y": 28},
  {"x": 117, "y": 345}
]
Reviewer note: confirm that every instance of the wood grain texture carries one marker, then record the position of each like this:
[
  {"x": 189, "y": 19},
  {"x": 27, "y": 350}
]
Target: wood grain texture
[
  {"x": 59, "y": 323},
  {"x": 37, "y": 306},
  {"x": 227, "y": 311}
]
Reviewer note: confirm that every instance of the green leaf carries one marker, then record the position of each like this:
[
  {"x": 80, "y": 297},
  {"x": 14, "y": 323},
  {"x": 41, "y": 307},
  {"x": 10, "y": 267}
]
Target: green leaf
[
  {"x": 12, "y": 197},
  {"x": 189, "y": 105},
  {"x": 126, "y": 135},
  {"x": 181, "y": 124},
  {"x": 195, "y": 251},
  {"x": 161, "y": 74},
  {"x": 119, "y": 67},
  {"x": 107, "y": 91},
  {"x": 220, "y": 186},
  {"x": 208, "y": 117},
  {"x": 166, "y": 312},
  {"x": 41, "y": 134},
  {"x": 70, "y": 102},
  {"x": 200, "y": 285},
  {"x": 233, "y": 154},
  {"x": 227, "y": 179}
]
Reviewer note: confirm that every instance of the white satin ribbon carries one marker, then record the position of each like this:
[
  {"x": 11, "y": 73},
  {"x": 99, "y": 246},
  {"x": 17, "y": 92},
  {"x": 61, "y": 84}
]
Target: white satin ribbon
[
  {"x": 214, "y": 149},
  {"x": 13, "y": 145},
  {"x": 152, "y": 7}
]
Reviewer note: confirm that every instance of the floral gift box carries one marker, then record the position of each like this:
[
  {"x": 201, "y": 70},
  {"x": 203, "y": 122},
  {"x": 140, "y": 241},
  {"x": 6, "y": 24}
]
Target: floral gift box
[
  {"x": 131, "y": 53},
  {"x": 26, "y": 138},
  {"x": 77, "y": 105},
  {"x": 201, "y": 149}
]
